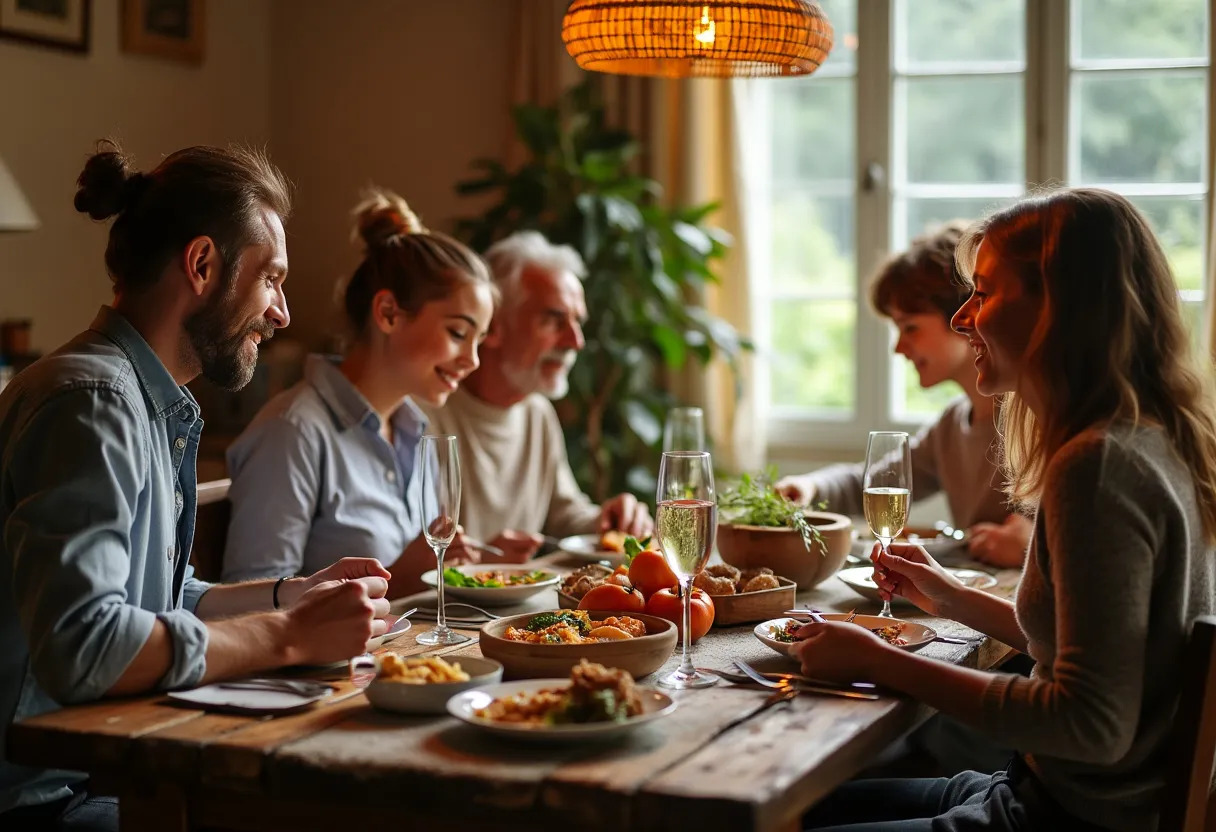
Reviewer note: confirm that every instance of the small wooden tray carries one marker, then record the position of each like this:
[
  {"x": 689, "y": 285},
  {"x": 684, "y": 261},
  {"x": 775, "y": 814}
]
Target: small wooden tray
[
  {"x": 742, "y": 608},
  {"x": 760, "y": 605}
]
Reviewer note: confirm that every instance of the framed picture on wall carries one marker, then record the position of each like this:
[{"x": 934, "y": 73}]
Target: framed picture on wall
[
  {"x": 63, "y": 24},
  {"x": 165, "y": 28}
]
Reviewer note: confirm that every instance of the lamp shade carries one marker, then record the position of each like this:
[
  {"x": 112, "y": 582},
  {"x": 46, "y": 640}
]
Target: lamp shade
[
  {"x": 697, "y": 38},
  {"x": 15, "y": 211}
]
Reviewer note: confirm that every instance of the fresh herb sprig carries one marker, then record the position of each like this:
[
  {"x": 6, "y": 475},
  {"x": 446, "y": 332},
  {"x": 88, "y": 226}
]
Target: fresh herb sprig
[{"x": 756, "y": 502}]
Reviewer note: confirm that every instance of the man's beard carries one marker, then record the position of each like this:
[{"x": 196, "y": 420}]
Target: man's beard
[
  {"x": 532, "y": 380},
  {"x": 220, "y": 351}
]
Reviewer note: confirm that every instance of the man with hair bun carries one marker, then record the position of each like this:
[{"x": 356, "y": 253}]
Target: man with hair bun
[
  {"x": 98, "y": 447},
  {"x": 517, "y": 475}
]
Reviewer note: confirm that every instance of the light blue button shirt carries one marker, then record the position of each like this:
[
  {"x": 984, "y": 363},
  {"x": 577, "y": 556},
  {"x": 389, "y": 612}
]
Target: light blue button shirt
[
  {"x": 314, "y": 481},
  {"x": 98, "y": 446}
]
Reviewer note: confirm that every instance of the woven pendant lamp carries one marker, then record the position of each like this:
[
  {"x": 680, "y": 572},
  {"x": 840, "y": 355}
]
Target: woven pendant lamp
[{"x": 697, "y": 38}]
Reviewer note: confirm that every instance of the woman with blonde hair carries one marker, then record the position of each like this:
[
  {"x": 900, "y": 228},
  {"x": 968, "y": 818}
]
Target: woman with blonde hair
[
  {"x": 326, "y": 469},
  {"x": 1109, "y": 437}
]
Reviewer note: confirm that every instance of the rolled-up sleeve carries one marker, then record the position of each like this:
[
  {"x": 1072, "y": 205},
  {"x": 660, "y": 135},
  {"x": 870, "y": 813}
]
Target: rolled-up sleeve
[
  {"x": 275, "y": 469},
  {"x": 70, "y": 538},
  {"x": 193, "y": 589}
]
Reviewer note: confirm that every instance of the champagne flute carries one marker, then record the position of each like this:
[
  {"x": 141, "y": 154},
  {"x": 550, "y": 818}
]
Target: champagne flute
[
  {"x": 684, "y": 429},
  {"x": 686, "y": 520},
  {"x": 887, "y": 490},
  {"x": 439, "y": 467}
]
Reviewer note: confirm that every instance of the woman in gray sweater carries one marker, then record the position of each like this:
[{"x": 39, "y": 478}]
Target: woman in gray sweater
[{"x": 1108, "y": 433}]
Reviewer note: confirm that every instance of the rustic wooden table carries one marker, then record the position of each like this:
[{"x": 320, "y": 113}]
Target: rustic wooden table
[{"x": 719, "y": 760}]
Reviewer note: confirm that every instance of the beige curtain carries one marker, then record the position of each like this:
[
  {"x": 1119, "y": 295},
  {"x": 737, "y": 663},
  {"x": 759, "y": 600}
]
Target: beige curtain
[
  {"x": 697, "y": 156},
  {"x": 690, "y": 131}
]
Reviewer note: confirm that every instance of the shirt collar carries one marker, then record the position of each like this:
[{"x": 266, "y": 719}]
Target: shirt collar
[
  {"x": 161, "y": 389},
  {"x": 349, "y": 405}
]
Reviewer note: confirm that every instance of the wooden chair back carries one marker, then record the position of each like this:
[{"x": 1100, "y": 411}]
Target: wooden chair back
[
  {"x": 1186, "y": 799},
  {"x": 211, "y": 529}
]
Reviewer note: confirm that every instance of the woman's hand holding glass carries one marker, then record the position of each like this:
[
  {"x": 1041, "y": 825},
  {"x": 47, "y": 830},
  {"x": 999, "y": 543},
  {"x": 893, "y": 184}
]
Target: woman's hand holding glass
[{"x": 909, "y": 571}]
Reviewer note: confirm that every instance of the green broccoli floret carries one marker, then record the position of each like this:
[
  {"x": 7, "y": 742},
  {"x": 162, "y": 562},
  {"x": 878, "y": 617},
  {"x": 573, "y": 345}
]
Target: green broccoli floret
[{"x": 575, "y": 618}]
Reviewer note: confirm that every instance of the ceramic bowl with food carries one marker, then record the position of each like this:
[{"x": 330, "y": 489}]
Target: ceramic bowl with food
[
  {"x": 639, "y": 655},
  {"x": 429, "y": 697},
  {"x": 493, "y": 586},
  {"x": 782, "y": 549}
]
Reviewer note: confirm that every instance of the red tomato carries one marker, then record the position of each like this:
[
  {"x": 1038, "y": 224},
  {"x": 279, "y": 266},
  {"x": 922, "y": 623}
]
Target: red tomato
[
  {"x": 649, "y": 572},
  {"x": 667, "y": 604},
  {"x": 613, "y": 598}
]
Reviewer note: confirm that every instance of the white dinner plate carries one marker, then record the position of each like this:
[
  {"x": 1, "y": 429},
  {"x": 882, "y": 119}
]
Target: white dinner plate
[
  {"x": 217, "y": 697},
  {"x": 917, "y": 635},
  {"x": 861, "y": 580},
  {"x": 494, "y": 596},
  {"x": 432, "y": 698},
  {"x": 937, "y": 545},
  {"x": 588, "y": 547},
  {"x": 463, "y": 706},
  {"x": 400, "y": 627}
]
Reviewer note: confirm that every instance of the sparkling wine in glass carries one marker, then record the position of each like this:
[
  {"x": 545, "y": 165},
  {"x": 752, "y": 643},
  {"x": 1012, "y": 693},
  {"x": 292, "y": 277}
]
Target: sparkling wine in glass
[
  {"x": 887, "y": 489},
  {"x": 686, "y": 520},
  {"x": 439, "y": 467},
  {"x": 684, "y": 429}
]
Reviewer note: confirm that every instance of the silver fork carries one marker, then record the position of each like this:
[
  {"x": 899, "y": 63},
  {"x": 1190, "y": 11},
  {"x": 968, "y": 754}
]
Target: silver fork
[
  {"x": 300, "y": 687},
  {"x": 787, "y": 684}
]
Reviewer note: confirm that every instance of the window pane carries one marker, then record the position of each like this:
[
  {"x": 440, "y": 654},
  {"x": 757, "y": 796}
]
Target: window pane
[
  {"x": 1178, "y": 224},
  {"x": 965, "y": 129},
  {"x": 914, "y": 403},
  {"x": 923, "y": 213},
  {"x": 842, "y": 14},
  {"x": 1193, "y": 314},
  {"x": 812, "y": 242},
  {"x": 1143, "y": 127},
  {"x": 812, "y": 365},
  {"x": 812, "y": 129},
  {"x": 952, "y": 31},
  {"x": 1131, "y": 29}
]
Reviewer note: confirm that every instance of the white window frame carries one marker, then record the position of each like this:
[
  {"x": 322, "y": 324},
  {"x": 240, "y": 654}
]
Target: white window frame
[{"x": 797, "y": 435}]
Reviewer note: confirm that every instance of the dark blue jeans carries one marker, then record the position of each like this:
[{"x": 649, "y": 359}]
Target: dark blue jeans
[
  {"x": 1008, "y": 801},
  {"x": 81, "y": 812}
]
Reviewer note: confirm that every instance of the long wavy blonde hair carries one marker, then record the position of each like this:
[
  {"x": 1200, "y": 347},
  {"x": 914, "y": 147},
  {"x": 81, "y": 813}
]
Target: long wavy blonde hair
[{"x": 1110, "y": 343}]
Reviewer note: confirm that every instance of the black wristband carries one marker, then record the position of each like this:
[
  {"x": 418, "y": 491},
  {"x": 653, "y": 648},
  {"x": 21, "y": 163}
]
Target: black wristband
[{"x": 274, "y": 596}]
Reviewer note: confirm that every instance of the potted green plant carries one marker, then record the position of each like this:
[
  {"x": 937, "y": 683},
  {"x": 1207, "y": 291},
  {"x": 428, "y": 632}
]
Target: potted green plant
[
  {"x": 645, "y": 263},
  {"x": 757, "y": 526}
]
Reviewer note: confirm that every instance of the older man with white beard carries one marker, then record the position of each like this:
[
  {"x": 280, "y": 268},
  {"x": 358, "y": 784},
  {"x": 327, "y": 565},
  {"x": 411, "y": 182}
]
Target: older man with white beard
[{"x": 517, "y": 479}]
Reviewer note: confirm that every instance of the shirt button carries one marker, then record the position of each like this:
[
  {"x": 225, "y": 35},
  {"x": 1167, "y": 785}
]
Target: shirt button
[
  {"x": 170, "y": 553},
  {"x": 391, "y": 476},
  {"x": 177, "y": 497},
  {"x": 180, "y": 443}
]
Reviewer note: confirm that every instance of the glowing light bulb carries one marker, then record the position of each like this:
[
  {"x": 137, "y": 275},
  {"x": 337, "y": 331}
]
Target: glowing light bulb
[{"x": 704, "y": 30}]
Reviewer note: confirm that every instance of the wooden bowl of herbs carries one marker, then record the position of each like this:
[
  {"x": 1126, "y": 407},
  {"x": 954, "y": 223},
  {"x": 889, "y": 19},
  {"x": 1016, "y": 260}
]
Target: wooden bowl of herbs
[{"x": 758, "y": 527}]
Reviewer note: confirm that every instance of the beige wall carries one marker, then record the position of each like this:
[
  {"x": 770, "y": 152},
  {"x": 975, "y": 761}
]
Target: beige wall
[
  {"x": 401, "y": 94},
  {"x": 54, "y": 104}
]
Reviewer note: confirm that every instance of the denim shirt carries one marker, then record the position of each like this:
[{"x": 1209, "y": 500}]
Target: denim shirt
[
  {"x": 98, "y": 446},
  {"x": 313, "y": 480}
]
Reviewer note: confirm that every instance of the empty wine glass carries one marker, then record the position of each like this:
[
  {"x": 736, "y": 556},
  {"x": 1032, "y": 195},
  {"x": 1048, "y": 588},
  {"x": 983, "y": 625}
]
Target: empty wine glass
[
  {"x": 439, "y": 467},
  {"x": 684, "y": 429},
  {"x": 686, "y": 520},
  {"x": 887, "y": 489}
]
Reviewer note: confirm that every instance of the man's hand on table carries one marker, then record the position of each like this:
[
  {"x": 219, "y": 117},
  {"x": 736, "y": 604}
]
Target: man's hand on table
[
  {"x": 1001, "y": 544},
  {"x": 626, "y": 513},
  {"x": 333, "y": 620},
  {"x": 517, "y": 546}
]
